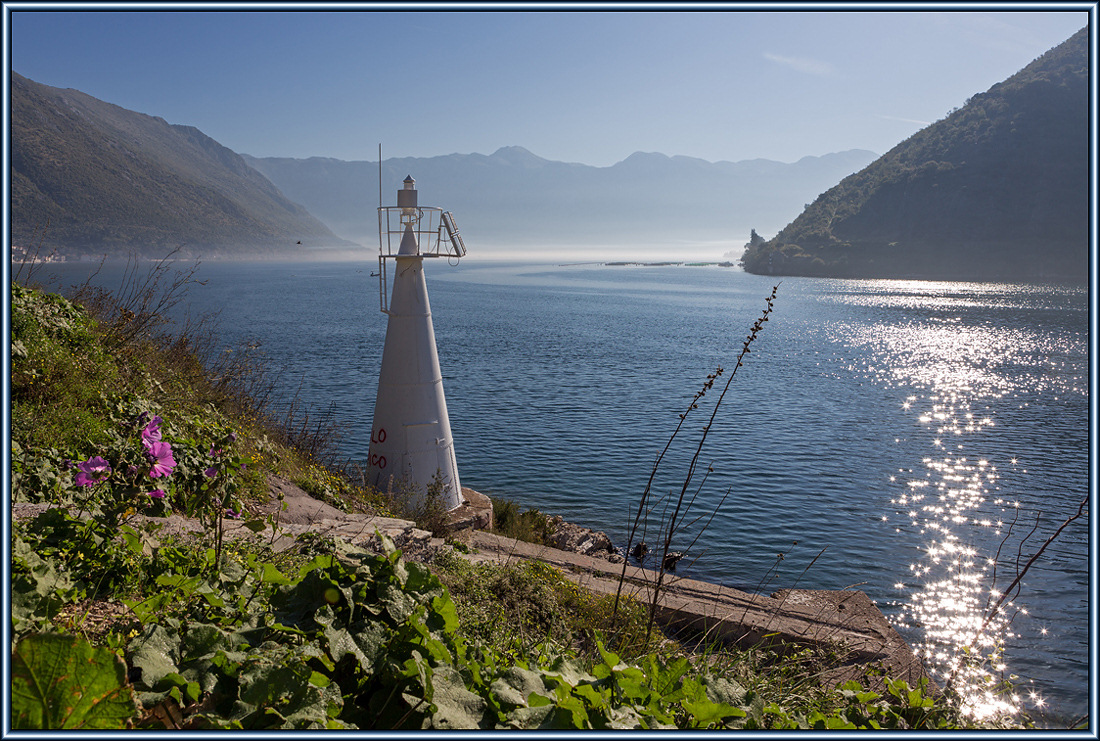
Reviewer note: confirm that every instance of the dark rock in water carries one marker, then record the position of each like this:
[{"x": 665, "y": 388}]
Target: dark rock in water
[
  {"x": 671, "y": 559},
  {"x": 639, "y": 551}
]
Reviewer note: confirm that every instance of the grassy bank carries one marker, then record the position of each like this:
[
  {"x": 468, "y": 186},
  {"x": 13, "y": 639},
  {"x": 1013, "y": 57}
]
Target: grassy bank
[{"x": 116, "y": 413}]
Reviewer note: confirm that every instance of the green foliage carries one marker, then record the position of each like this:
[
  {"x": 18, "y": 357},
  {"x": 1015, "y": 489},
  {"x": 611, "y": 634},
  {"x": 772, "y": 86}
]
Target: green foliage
[
  {"x": 904, "y": 708},
  {"x": 60, "y": 376},
  {"x": 529, "y": 525},
  {"x": 64, "y": 682},
  {"x": 516, "y": 608}
]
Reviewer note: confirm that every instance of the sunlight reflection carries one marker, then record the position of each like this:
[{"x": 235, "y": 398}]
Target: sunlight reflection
[
  {"x": 954, "y": 501},
  {"x": 961, "y": 641},
  {"x": 954, "y": 373}
]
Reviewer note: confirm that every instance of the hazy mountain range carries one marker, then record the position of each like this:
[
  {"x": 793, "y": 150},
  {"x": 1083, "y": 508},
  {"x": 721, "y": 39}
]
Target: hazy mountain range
[
  {"x": 999, "y": 189},
  {"x": 90, "y": 177},
  {"x": 513, "y": 199}
]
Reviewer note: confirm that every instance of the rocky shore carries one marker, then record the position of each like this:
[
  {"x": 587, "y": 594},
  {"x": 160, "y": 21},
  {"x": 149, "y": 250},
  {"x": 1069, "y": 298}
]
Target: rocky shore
[{"x": 566, "y": 536}]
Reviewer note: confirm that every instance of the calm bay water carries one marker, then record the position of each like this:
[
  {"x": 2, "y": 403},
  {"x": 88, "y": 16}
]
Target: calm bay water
[{"x": 889, "y": 436}]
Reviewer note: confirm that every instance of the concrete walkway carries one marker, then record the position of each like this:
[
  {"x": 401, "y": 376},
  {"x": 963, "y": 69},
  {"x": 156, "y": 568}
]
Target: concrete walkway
[{"x": 847, "y": 622}]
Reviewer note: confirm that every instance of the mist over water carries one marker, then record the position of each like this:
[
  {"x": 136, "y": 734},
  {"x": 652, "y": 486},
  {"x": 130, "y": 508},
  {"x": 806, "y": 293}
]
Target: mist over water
[{"x": 900, "y": 436}]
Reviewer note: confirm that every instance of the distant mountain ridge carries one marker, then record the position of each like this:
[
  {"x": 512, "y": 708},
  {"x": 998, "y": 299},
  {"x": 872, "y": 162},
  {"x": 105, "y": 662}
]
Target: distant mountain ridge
[
  {"x": 89, "y": 177},
  {"x": 997, "y": 190},
  {"x": 107, "y": 180},
  {"x": 516, "y": 198}
]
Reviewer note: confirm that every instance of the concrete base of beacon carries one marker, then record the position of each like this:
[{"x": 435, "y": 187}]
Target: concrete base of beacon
[{"x": 475, "y": 513}]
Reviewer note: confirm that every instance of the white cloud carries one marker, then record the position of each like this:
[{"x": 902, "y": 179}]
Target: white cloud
[
  {"x": 905, "y": 120},
  {"x": 800, "y": 64}
]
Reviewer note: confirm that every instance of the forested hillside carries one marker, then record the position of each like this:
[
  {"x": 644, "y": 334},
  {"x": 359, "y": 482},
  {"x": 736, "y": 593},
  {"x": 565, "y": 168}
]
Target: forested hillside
[
  {"x": 90, "y": 177},
  {"x": 999, "y": 189}
]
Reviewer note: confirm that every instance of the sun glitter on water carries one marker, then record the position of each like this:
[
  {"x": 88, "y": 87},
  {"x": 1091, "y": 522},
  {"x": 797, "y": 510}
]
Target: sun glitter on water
[{"x": 952, "y": 499}]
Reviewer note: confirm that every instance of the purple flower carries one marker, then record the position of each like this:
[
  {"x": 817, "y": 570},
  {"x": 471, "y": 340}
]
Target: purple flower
[
  {"x": 151, "y": 433},
  {"x": 160, "y": 455},
  {"x": 210, "y": 472},
  {"x": 157, "y": 494},
  {"x": 234, "y": 515},
  {"x": 92, "y": 471}
]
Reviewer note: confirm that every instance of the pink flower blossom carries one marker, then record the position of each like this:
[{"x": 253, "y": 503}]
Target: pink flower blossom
[
  {"x": 151, "y": 433},
  {"x": 157, "y": 494},
  {"x": 92, "y": 471},
  {"x": 160, "y": 456},
  {"x": 210, "y": 472}
]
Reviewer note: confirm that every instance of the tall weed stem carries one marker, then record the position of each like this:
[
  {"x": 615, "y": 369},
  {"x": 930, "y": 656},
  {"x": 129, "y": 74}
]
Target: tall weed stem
[{"x": 673, "y": 523}]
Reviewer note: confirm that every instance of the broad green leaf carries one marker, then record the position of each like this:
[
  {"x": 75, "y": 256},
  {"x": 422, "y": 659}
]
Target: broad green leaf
[
  {"x": 517, "y": 686},
  {"x": 456, "y": 706},
  {"x": 576, "y": 713},
  {"x": 569, "y": 671},
  {"x": 272, "y": 575},
  {"x": 534, "y": 716},
  {"x": 443, "y": 609},
  {"x": 590, "y": 694},
  {"x": 609, "y": 658},
  {"x": 918, "y": 700},
  {"x": 705, "y": 712},
  {"x": 722, "y": 690},
  {"x": 341, "y": 643},
  {"x": 146, "y": 610},
  {"x": 632, "y": 684},
  {"x": 204, "y": 640},
  {"x": 63, "y": 682},
  {"x": 536, "y": 700},
  {"x": 155, "y": 653},
  {"x": 277, "y": 684}
]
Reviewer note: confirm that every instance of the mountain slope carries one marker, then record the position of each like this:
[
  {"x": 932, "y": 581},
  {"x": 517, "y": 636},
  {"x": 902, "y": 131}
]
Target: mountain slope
[
  {"x": 109, "y": 180},
  {"x": 515, "y": 198},
  {"x": 996, "y": 190}
]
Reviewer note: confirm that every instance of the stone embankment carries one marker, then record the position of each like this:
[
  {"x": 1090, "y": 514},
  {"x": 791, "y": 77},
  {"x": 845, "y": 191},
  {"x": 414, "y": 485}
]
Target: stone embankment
[{"x": 845, "y": 622}]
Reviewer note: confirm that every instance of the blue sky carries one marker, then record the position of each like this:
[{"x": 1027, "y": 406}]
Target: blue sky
[{"x": 590, "y": 87}]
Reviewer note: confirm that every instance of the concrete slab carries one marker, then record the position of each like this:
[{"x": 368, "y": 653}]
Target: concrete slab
[
  {"x": 475, "y": 512},
  {"x": 846, "y": 622}
]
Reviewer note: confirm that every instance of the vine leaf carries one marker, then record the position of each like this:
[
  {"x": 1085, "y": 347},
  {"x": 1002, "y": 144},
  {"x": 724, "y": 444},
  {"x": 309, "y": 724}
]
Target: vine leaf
[{"x": 60, "y": 681}]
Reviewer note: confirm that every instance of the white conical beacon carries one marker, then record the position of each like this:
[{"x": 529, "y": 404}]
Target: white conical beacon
[{"x": 411, "y": 446}]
